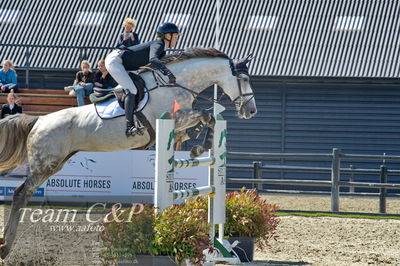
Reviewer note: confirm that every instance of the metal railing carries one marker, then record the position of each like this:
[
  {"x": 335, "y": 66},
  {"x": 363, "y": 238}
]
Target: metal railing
[
  {"x": 335, "y": 171},
  {"x": 26, "y": 66},
  {"x": 83, "y": 55}
]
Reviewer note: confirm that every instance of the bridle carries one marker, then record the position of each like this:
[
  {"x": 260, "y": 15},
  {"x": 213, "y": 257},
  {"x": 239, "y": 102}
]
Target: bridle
[{"x": 237, "y": 68}]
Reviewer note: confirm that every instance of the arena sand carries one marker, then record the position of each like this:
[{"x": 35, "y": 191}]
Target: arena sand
[{"x": 302, "y": 240}]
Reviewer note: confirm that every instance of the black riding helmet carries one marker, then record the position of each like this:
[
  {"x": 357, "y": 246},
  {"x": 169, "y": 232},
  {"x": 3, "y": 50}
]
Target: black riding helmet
[{"x": 167, "y": 27}]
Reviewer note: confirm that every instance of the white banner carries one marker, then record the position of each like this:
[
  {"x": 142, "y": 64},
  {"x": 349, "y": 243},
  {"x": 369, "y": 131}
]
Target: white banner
[{"x": 123, "y": 176}]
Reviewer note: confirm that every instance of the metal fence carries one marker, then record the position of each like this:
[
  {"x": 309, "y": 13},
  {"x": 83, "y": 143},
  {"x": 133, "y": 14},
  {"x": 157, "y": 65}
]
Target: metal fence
[
  {"x": 84, "y": 52},
  {"x": 26, "y": 66},
  {"x": 335, "y": 171}
]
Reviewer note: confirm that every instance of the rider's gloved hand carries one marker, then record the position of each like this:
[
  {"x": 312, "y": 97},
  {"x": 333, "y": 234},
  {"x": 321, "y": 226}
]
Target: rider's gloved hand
[{"x": 171, "y": 77}]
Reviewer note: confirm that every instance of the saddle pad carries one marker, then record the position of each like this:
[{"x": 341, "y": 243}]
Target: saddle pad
[{"x": 111, "y": 109}]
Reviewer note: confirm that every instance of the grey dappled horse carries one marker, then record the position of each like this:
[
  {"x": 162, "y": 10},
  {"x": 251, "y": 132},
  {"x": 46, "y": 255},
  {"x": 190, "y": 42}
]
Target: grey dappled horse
[{"x": 47, "y": 142}]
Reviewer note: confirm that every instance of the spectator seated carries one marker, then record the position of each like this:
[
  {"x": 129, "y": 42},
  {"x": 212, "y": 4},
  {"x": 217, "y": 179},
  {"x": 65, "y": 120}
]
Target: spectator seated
[{"x": 42, "y": 102}]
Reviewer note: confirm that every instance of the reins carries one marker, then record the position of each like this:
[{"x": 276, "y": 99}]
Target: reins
[
  {"x": 161, "y": 82},
  {"x": 240, "y": 101}
]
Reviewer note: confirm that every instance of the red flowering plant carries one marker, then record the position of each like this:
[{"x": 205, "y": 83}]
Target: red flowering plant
[{"x": 248, "y": 215}]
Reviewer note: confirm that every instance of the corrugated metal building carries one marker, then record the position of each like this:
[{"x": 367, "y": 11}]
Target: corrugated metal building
[{"x": 326, "y": 72}]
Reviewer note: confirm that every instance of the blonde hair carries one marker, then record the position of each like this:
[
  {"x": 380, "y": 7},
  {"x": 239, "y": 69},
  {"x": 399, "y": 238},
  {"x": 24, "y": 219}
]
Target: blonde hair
[
  {"x": 129, "y": 21},
  {"x": 85, "y": 62},
  {"x": 7, "y": 61},
  {"x": 102, "y": 61},
  {"x": 12, "y": 94}
]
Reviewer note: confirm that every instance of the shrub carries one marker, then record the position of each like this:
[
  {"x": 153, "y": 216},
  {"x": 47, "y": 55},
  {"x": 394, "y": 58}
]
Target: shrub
[
  {"x": 182, "y": 231},
  {"x": 248, "y": 215},
  {"x": 125, "y": 240},
  {"x": 179, "y": 231}
]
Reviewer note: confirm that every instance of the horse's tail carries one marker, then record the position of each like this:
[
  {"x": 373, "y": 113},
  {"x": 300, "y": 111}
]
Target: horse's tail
[{"x": 14, "y": 131}]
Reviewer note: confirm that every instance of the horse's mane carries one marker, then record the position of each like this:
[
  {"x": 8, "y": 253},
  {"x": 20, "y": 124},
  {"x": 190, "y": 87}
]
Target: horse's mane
[
  {"x": 194, "y": 52},
  {"x": 189, "y": 53}
]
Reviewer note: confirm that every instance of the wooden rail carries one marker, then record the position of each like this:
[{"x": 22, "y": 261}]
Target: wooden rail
[
  {"x": 42, "y": 102},
  {"x": 335, "y": 170}
]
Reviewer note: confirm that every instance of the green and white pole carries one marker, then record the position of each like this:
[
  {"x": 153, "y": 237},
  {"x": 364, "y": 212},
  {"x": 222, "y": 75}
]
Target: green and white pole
[
  {"x": 217, "y": 178},
  {"x": 217, "y": 107},
  {"x": 218, "y": 171},
  {"x": 165, "y": 194},
  {"x": 193, "y": 192},
  {"x": 165, "y": 163},
  {"x": 187, "y": 163}
]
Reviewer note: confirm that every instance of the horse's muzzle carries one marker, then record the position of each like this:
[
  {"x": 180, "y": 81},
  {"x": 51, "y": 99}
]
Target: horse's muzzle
[{"x": 247, "y": 114}]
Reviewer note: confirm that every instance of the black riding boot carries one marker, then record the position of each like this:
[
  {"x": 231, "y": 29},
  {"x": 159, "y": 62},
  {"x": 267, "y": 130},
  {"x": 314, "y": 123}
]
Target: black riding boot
[{"x": 130, "y": 105}]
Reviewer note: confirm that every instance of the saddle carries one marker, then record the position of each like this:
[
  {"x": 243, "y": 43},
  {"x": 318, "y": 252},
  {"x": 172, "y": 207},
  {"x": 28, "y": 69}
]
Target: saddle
[{"x": 100, "y": 95}]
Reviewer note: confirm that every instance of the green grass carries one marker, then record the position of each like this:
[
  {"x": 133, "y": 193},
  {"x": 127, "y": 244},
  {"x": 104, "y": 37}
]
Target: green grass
[{"x": 338, "y": 215}]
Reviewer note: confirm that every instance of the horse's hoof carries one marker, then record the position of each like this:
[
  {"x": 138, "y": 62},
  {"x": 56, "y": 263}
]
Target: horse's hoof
[
  {"x": 196, "y": 151},
  {"x": 4, "y": 252},
  {"x": 2, "y": 240}
]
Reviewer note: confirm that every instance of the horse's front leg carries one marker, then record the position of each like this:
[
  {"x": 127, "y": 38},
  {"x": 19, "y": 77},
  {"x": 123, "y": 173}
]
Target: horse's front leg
[
  {"x": 191, "y": 133},
  {"x": 188, "y": 119}
]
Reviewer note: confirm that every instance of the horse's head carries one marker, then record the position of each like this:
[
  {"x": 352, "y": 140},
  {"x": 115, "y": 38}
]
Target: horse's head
[{"x": 240, "y": 89}]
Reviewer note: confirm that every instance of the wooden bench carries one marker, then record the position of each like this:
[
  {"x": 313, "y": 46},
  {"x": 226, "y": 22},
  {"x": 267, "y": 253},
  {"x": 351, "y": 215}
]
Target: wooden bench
[{"x": 41, "y": 102}]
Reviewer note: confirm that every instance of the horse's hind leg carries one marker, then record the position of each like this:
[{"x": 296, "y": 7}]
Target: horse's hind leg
[
  {"x": 20, "y": 200},
  {"x": 40, "y": 172},
  {"x": 185, "y": 119}
]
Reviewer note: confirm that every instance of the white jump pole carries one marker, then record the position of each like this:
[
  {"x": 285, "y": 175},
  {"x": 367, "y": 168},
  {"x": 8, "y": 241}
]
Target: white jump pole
[
  {"x": 217, "y": 177},
  {"x": 165, "y": 163}
]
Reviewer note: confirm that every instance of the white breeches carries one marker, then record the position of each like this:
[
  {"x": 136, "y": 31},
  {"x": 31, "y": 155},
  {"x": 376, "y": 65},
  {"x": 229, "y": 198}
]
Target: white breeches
[{"x": 117, "y": 70}]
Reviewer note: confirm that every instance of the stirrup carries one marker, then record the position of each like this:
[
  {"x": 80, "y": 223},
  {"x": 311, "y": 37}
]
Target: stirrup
[
  {"x": 138, "y": 130},
  {"x": 129, "y": 131},
  {"x": 135, "y": 128},
  {"x": 132, "y": 131}
]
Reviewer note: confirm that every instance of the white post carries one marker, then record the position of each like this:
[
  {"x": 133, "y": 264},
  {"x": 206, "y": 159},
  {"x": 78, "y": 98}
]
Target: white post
[
  {"x": 216, "y": 207},
  {"x": 217, "y": 177},
  {"x": 164, "y": 174},
  {"x": 217, "y": 33}
]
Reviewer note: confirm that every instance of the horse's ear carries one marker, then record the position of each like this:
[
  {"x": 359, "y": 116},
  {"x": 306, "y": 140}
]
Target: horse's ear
[
  {"x": 244, "y": 60},
  {"x": 249, "y": 57}
]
